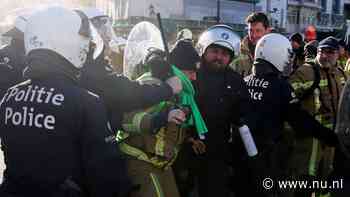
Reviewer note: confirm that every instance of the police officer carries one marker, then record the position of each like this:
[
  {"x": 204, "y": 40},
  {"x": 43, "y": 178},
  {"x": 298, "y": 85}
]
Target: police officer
[
  {"x": 56, "y": 138},
  {"x": 119, "y": 93},
  {"x": 221, "y": 98},
  {"x": 274, "y": 103},
  {"x": 12, "y": 58}
]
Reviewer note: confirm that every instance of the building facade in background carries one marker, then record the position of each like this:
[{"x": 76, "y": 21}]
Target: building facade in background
[
  {"x": 286, "y": 15},
  {"x": 325, "y": 15}
]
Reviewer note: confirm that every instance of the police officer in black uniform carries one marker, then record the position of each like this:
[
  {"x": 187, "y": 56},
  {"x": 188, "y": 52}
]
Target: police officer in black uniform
[
  {"x": 56, "y": 137},
  {"x": 274, "y": 102},
  {"x": 12, "y": 57},
  {"x": 120, "y": 94}
]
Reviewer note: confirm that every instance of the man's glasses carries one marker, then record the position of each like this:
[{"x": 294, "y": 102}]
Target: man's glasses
[{"x": 327, "y": 51}]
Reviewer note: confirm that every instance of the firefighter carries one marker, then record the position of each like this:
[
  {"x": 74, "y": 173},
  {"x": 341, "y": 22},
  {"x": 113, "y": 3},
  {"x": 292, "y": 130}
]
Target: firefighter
[
  {"x": 151, "y": 142},
  {"x": 305, "y": 158},
  {"x": 297, "y": 42},
  {"x": 343, "y": 54},
  {"x": 258, "y": 26},
  {"x": 332, "y": 80},
  {"x": 318, "y": 84},
  {"x": 56, "y": 137}
]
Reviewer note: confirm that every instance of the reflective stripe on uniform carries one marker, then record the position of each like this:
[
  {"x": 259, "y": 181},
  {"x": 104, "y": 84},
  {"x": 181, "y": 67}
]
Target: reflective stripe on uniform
[
  {"x": 342, "y": 80},
  {"x": 135, "y": 125},
  {"x": 136, "y": 121},
  {"x": 160, "y": 142},
  {"x": 302, "y": 85},
  {"x": 313, "y": 157},
  {"x": 317, "y": 100},
  {"x": 121, "y": 135},
  {"x": 140, "y": 155},
  {"x": 157, "y": 185},
  {"x": 326, "y": 124},
  {"x": 129, "y": 150},
  {"x": 323, "y": 83}
]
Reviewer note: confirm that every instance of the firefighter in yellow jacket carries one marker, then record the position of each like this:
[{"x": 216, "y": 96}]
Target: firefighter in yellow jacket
[
  {"x": 258, "y": 26},
  {"x": 318, "y": 84},
  {"x": 151, "y": 142},
  {"x": 306, "y": 151}
]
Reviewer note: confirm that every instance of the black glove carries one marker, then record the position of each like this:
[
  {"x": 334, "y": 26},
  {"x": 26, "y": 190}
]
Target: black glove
[{"x": 156, "y": 60}]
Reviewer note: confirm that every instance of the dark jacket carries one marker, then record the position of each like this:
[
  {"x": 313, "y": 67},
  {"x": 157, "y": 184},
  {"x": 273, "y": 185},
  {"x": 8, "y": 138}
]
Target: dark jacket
[
  {"x": 223, "y": 99},
  {"x": 12, "y": 63},
  {"x": 54, "y": 132},
  {"x": 119, "y": 93},
  {"x": 274, "y": 102}
]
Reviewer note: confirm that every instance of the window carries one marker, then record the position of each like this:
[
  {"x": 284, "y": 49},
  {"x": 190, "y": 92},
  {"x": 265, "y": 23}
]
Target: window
[
  {"x": 336, "y": 6},
  {"x": 324, "y": 5}
]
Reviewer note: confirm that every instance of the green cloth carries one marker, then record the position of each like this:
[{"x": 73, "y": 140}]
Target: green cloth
[{"x": 186, "y": 98}]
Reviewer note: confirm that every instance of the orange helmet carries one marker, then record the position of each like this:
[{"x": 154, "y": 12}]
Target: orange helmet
[{"x": 310, "y": 33}]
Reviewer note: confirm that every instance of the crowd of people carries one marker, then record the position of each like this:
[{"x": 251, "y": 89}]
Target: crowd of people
[{"x": 73, "y": 126}]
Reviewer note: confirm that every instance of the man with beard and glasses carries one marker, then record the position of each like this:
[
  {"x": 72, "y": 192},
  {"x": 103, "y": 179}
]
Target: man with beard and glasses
[
  {"x": 332, "y": 80},
  {"x": 221, "y": 97}
]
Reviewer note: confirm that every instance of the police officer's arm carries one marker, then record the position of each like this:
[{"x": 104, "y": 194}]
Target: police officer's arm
[
  {"x": 302, "y": 122},
  {"x": 105, "y": 168},
  {"x": 129, "y": 95}
]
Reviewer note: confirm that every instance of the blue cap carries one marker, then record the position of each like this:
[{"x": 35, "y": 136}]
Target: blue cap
[{"x": 329, "y": 42}]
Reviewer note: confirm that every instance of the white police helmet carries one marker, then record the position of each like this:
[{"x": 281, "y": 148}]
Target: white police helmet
[
  {"x": 222, "y": 35},
  {"x": 92, "y": 12},
  {"x": 63, "y": 31},
  {"x": 104, "y": 26},
  {"x": 15, "y": 22},
  {"x": 184, "y": 34},
  {"x": 276, "y": 49}
]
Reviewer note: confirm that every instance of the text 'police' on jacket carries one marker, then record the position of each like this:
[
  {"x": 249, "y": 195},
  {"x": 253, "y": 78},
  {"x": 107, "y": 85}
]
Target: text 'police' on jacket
[
  {"x": 256, "y": 82},
  {"x": 28, "y": 117}
]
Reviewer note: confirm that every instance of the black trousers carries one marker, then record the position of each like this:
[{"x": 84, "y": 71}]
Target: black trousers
[{"x": 207, "y": 175}]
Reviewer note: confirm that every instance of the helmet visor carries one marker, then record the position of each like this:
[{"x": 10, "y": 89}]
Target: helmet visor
[
  {"x": 288, "y": 66},
  {"x": 104, "y": 27}
]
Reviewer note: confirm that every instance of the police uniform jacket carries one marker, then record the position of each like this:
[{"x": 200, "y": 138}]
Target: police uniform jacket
[{"x": 53, "y": 131}]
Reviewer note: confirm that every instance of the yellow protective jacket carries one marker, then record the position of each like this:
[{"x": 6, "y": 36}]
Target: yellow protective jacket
[
  {"x": 244, "y": 62},
  {"x": 347, "y": 67},
  {"x": 324, "y": 101},
  {"x": 159, "y": 148},
  {"x": 301, "y": 80}
]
